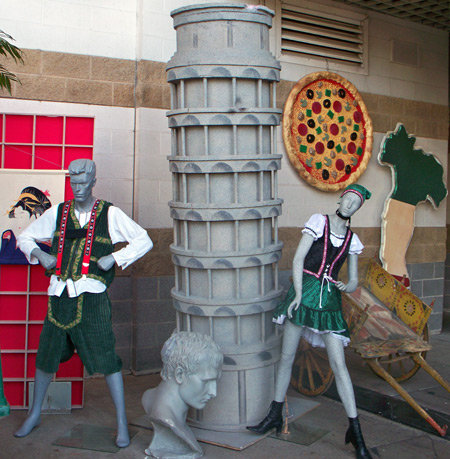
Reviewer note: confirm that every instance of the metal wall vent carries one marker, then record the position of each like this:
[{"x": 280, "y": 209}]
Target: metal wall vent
[{"x": 309, "y": 33}]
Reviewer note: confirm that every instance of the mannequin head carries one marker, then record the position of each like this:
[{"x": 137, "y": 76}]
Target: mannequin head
[
  {"x": 352, "y": 198},
  {"x": 193, "y": 362},
  {"x": 82, "y": 179}
]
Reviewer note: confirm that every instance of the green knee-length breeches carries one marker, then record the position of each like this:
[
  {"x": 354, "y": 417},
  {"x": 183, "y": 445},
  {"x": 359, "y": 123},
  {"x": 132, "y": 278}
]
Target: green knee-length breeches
[{"x": 82, "y": 323}]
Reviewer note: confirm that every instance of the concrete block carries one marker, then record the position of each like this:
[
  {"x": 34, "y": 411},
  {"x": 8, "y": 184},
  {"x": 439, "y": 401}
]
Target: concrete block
[
  {"x": 65, "y": 14},
  {"x": 121, "y": 289},
  {"x": 40, "y": 87},
  {"x": 66, "y": 65},
  {"x": 154, "y": 311},
  {"x": 145, "y": 335},
  {"x": 438, "y": 304},
  {"x": 435, "y": 323},
  {"x": 164, "y": 331},
  {"x": 150, "y": 71},
  {"x": 146, "y": 288},
  {"x": 155, "y": 264},
  {"x": 284, "y": 279},
  {"x": 165, "y": 285},
  {"x": 422, "y": 271},
  {"x": 447, "y": 285},
  {"x": 447, "y": 302},
  {"x": 125, "y": 354},
  {"x": 31, "y": 65},
  {"x": 122, "y": 312},
  {"x": 433, "y": 287},
  {"x": 89, "y": 92},
  {"x": 417, "y": 288},
  {"x": 123, "y": 94},
  {"x": 402, "y": 88},
  {"x": 146, "y": 359},
  {"x": 111, "y": 20},
  {"x": 117, "y": 70},
  {"x": 122, "y": 332},
  {"x": 439, "y": 269}
]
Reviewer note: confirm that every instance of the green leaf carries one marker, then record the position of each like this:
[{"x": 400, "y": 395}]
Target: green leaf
[{"x": 8, "y": 50}]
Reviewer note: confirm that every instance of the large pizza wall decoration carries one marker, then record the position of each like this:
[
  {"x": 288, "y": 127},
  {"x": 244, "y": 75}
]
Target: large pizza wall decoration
[{"x": 327, "y": 131}]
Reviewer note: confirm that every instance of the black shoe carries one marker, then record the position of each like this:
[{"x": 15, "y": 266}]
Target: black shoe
[
  {"x": 273, "y": 420},
  {"x": 354, "y": 435}
]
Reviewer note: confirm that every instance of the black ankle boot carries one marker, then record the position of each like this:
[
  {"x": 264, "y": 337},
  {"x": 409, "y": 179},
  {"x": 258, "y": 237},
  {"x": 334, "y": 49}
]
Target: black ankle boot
[
  {"x": 273, "y": 419},
  {"x": 354, "y": 435}
]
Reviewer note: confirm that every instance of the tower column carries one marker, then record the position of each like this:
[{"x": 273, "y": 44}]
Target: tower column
[{"x": 225, "y": 204}]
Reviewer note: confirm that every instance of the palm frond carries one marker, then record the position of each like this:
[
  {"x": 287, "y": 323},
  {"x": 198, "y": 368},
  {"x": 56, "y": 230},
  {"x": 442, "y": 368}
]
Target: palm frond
[{"x": 8, "y": 49}]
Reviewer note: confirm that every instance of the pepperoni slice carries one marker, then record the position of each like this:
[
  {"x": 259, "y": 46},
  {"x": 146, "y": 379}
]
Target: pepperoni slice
[
  {"x": 337, "y": 106},
  {"x": 351, "y": 147},
  {"x": 334, "y": 129},
  {"x": 316, "y": 107},
  {"x": 320, "y": 148},
  {"x": 357, "y": 116},
  {"x": 302, "y": 129},
  {"x": 340, "y": 164}
]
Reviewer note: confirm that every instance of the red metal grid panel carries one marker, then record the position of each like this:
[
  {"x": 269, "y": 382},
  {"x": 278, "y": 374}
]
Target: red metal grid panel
[{"x": 35, "y": 142}]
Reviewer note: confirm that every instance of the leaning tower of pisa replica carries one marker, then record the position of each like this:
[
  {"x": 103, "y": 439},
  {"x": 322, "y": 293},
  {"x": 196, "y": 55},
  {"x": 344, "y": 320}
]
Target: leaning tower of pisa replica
[{"x": 224, "y": 165}]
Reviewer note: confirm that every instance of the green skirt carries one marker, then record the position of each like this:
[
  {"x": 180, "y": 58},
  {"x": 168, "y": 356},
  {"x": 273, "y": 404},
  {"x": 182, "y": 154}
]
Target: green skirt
[{"x": 318, "y": 313}]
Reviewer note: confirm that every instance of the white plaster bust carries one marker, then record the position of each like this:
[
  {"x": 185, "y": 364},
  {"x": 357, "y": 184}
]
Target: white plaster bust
[{"x": 192, "y": 363}]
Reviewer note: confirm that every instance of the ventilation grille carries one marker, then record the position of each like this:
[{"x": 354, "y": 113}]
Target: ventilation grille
[{"x": 310, "y": 33}]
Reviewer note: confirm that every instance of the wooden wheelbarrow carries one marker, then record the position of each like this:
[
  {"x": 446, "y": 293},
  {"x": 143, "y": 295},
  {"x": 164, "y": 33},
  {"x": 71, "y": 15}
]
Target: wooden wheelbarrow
[{"x": 388, "y": 329}]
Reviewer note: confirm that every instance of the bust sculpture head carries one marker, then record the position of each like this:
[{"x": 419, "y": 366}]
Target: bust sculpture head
[{"x": 192, "y": 363}]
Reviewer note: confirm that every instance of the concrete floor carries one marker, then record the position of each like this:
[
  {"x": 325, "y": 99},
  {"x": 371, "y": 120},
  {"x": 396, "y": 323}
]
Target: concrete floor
[{"x": 386, "y": 439}]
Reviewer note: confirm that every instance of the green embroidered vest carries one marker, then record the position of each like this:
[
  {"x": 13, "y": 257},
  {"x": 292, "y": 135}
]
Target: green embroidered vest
[{"x": 74, "y": 245}]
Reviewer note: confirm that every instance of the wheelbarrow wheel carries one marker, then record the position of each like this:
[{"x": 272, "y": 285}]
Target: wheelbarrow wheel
[
  {"x": 311, "y": 372},
  {"x": 400, "y": 365}
]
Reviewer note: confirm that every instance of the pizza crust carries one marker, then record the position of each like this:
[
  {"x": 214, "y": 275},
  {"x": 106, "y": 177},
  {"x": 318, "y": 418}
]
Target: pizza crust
[{"x": 290, "y": 114}]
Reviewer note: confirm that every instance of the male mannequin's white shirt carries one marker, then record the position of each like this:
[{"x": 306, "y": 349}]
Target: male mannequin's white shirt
[{"x": 121, "y": 228}]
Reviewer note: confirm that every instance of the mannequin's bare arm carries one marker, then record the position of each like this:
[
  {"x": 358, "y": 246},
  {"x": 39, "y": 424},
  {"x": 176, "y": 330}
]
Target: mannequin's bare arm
[
  {"x": 352, "y": 269},
  {"x": 297, "y": 270},
  {"x": 45, "y": 259}
]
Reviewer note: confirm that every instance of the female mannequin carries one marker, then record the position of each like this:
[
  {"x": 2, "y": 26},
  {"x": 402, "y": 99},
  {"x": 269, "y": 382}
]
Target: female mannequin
[{"x": 314, "y": 307}]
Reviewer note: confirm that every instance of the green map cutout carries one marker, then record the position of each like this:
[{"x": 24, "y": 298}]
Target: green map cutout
[{"x": 418, "y": 176}]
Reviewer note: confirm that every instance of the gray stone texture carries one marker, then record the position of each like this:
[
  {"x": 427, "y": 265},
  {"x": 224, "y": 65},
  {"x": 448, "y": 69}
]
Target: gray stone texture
[
  {"x": 121, "y": 288},
  {"x": 145, "y": 359},
  {"x": 447, "y": 284},
  {"x": 421, "y": 271},
  {"x": 143, "y": 318},
  {"x": 226, "y": 248},
  {"x": 146, "y": 288},
  {"x": 433, "y": 287},
  {"x": 439, "y": 269},
  {"x": 417, "y": 288},
  {"x": 429, "y": 284}
]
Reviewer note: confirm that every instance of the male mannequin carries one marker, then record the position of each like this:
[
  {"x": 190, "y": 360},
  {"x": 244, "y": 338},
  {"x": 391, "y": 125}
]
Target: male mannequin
[
  {"x": 192, "y": 364},
  {"x": 81, "y": 264}
]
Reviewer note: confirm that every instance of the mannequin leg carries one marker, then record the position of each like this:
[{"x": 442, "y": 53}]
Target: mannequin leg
[
  {"x": 115, "y": 385},
  {"x": 336, "y": 357},
  {"x": 41, "y": 382},
  {"x": 291, "y": 337},
  {"x": 274, "y": 419}
]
